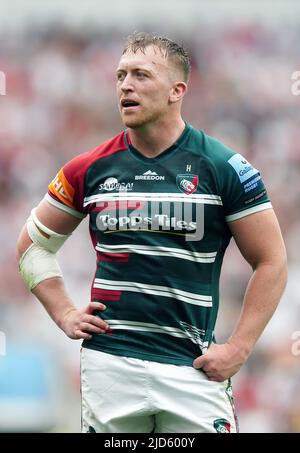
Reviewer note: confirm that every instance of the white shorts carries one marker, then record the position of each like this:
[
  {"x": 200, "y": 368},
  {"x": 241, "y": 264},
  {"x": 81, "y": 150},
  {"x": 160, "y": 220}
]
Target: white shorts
[{"x": 127, "y": 395}]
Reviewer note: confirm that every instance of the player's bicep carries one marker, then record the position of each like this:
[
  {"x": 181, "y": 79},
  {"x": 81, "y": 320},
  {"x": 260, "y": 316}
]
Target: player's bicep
[
  {"x": 56, "y": 219},
  {"x": 259, "y": 238},
  {"x": 52, "y": 218}
]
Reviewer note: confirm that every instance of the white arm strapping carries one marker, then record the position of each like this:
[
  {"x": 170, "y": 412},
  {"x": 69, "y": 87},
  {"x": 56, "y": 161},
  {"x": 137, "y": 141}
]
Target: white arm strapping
[
  {"x": 39, "y": 262},
  {"x": 52, "y": 243}
]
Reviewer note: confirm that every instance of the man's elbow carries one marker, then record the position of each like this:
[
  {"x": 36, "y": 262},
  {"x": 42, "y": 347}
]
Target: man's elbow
[
  {"x": 276, "y": 267},
  {"x": 279, "y": 269}
]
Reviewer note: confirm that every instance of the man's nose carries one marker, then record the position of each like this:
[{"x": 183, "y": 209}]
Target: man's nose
[{"x": 127, "y": 84}]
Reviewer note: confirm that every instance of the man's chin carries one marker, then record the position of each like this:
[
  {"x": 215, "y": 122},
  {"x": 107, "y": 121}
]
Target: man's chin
[{"x": 133, "y": 123}]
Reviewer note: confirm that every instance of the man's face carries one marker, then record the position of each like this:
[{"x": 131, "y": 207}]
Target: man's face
[{"x": 144, "y": 85}]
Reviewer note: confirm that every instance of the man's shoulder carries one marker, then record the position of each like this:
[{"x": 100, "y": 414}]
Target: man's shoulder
[
  {"x": 217, "y": 151},
  {"x": 80, "y": 163},
  {"x": 210, "y": 147},
  {"x": 212, "y": 150},
  {"x": 105, "y": 149}
]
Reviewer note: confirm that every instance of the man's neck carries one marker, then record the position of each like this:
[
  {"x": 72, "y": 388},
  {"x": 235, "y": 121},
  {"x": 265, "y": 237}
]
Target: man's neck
[{"x": 152, "y": 140}]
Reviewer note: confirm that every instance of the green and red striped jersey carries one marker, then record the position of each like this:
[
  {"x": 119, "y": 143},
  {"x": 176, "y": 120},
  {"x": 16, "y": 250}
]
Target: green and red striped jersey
[{"x": 159, "y": 227}]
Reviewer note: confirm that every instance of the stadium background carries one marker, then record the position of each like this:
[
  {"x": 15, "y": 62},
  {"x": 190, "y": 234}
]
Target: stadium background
[{"x": 59, "y": 60}]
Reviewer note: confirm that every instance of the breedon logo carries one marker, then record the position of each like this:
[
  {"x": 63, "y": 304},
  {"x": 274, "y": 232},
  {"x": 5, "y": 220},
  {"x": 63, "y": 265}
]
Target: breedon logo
[
  {"x": 222, "y": 426},
  {"x": 149, "y": 176}
]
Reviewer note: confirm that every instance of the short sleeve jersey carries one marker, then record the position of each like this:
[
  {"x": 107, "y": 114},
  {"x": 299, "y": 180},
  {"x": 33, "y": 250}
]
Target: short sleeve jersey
[{"x": 159, "y": 227}]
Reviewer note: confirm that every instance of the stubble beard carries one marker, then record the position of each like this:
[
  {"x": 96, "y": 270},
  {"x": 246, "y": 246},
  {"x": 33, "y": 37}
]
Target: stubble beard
[
  {"x": 133, "y": 123},
  {"x": 138, "y": 121}
]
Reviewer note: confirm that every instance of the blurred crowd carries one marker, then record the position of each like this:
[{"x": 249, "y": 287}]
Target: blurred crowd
[{"x": 60, "y": 101}]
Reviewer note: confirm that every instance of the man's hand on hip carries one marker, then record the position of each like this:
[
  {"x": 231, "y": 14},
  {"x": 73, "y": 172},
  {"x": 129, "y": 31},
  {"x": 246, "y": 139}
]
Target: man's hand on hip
[
  {"x": 220, "y": 362},
  {"x": 81, "y": 323}
]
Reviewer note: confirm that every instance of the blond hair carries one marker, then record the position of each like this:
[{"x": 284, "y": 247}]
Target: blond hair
[{"x": 171, "y": 50}]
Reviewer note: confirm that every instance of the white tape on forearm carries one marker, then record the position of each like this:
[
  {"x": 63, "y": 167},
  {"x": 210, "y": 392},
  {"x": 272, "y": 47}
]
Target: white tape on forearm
[
  {"x": 52, "y": 242},
  {"x": 37, "y": 265}
]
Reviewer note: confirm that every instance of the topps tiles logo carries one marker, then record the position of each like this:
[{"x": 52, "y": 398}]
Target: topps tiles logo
[{"x": 153, "y": 216}]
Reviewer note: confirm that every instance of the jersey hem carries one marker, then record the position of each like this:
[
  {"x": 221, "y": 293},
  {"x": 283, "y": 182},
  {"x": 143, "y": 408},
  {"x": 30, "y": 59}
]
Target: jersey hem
[{"x": 137, "y": 355}]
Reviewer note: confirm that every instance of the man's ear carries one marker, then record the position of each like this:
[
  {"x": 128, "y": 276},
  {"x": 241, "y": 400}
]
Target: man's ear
[{"x": 178, "y": 91}]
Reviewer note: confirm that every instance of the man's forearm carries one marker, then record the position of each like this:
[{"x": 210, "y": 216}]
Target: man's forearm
[
  {"x": 42, "y": 275},
  {"x": 53, "y": 296},
  {"x": 262, "y": 296}
]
